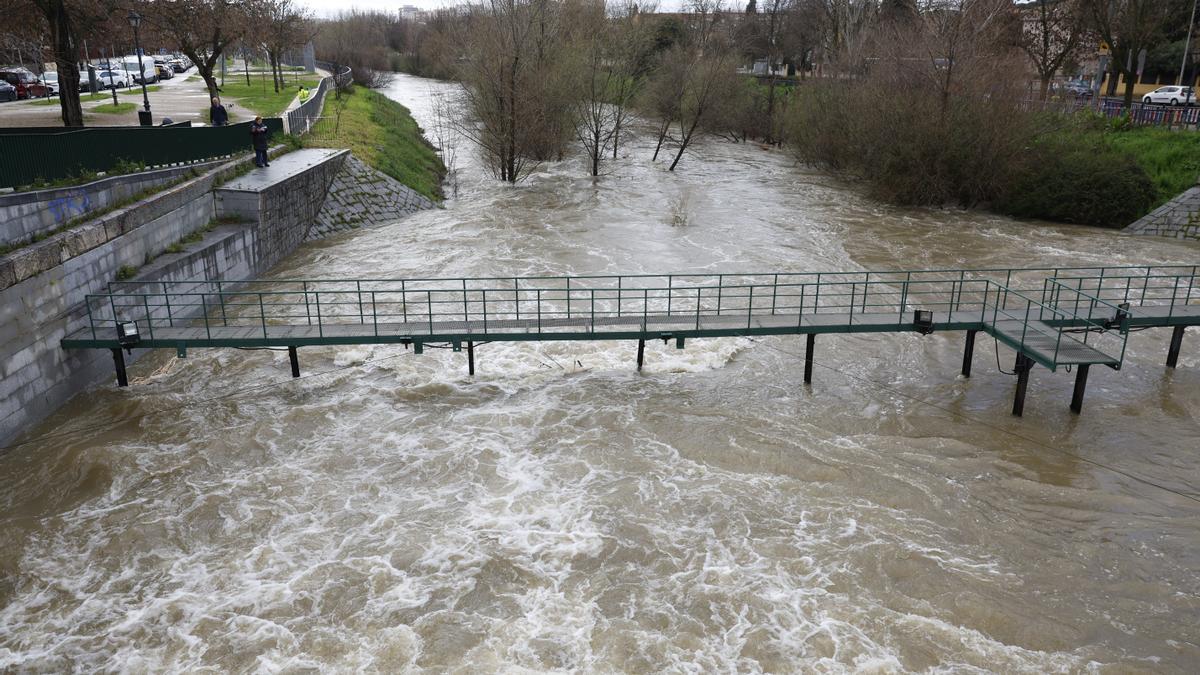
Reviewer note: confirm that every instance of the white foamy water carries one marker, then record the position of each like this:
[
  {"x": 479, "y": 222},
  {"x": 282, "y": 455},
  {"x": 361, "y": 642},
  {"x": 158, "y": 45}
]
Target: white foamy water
[{"x": 562, "y": 512}]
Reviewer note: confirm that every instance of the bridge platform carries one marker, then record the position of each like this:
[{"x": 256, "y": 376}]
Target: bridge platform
[{"x": 1066, "y": 317}]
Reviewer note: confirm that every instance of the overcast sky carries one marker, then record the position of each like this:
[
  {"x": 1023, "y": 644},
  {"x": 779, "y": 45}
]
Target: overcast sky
[
  {"x": 324, "y": 8},
  {"x": 330, "y": 7}
]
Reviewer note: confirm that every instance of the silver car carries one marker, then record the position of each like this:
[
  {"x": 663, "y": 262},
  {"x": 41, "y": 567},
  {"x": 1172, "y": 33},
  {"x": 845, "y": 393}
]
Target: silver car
[
  {"x": 7, "y": 91},
  {"x": 1171, "y": 96}
]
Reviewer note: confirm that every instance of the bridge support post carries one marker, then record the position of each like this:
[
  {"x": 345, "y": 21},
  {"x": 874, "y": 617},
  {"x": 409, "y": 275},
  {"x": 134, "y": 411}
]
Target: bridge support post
[
  {"x": 810, "y": 345},
  {"x": 1081, "y": 375},
  {"x": 295, "y": 359},
  {"x": 1024, "y": 364},
  {"x": 968, "y": 353},
  {"x": 470, "y": 357},
  {"x": 641, "y": 353},
  {"x": 1176, "y": 344},
  {"x": 119, "y": 362}
]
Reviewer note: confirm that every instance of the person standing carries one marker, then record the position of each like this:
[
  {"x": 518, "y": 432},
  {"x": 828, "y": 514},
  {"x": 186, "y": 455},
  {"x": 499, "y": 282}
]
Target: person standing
[
  {"x": 258, "y": 136},
  {"x": 218, "y": 114}
]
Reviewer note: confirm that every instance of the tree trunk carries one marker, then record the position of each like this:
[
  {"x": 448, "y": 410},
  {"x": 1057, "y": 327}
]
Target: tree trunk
[
  {"x": 64, "y": 56},
  {"x": 1130, "y": 81},
  {"x": 684, "y": 143},
  {"x": 770, "y": 110},
  {"x": 1045, "y": 92},
  {"x": 662, "y": 135}
]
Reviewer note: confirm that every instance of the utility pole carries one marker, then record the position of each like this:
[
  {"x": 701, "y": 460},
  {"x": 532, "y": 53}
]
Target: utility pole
[{"x": 1187, "y": 44}]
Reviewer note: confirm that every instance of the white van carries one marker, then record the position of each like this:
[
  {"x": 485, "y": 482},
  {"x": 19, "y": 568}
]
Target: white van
[{"x": 131, "y": 64}]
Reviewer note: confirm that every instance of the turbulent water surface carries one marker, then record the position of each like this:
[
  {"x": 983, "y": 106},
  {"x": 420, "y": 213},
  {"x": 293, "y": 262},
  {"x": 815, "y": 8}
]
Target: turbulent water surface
[{"x": 561, "y": 511}]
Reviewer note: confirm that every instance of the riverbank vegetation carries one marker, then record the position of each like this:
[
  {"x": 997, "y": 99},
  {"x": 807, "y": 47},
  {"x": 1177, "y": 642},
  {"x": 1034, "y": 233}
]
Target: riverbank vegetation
[
  {"x": 383, "y": 134},
  {"x": 923, "y": 103}
]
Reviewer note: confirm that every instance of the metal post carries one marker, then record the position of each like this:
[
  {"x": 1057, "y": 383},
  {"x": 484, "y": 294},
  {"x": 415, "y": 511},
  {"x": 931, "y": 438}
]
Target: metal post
[
  {"x": 1176, "y": 344},
  {"x": 641, "y": 352},
  {"x": 1081, "y": 375},
  {"x": 119, "y": 362},
  {"x": 809, "y": 347},
  {"x": 295, "y": 359},
  {"x": 968, "y": 352},
  {"x": 471, "y": 357},
  {"x": 1024, "y": 364}
]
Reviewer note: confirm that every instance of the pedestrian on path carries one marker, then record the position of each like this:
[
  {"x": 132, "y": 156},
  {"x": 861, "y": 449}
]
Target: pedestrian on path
[
  {"x": 218, "y": 114},
  {"x": 258, "y": 136}
]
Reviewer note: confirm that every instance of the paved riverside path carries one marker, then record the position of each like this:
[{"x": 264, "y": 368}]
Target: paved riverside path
[
  {"x": 1053, "y": 318},
  {"x": 282, "y": 168}
]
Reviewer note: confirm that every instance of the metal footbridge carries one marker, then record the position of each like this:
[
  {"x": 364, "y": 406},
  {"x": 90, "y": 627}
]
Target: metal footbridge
[{"x": 1056, "y": 317}]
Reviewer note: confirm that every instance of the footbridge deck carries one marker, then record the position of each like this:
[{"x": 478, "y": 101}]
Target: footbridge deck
[{"x": 1052, "y": 317}]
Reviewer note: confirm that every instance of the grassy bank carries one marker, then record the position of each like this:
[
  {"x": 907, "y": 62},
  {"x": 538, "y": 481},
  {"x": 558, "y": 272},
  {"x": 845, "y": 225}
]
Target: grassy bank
[
  {"x": 260, "y": 97},
  {"x": 1170, "y": 158},
  {"x": 383, "y": 134}
]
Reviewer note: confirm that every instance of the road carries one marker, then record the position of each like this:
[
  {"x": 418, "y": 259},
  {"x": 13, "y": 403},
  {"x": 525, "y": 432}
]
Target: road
[{"x": 181, "y": 99}]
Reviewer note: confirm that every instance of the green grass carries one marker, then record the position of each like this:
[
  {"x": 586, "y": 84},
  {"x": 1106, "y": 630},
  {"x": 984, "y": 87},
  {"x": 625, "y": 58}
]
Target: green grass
[
  {"x": 260, "y": 97},
  {"x": 110, "y": 109},
  {"x": 1171, "y": 158},
  {"x": 383, "y": 134}
]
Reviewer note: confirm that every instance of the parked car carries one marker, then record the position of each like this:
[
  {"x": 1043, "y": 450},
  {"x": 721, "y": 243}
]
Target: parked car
[
  {"x": 50, "y": 79},
  {"x": 1078, "y": 89},
  {"x": 111, "y": 79},
  {"x": 163, "y": 71},
  {"x": 177, "y": 65},
  {"x": 25, "y": 82},
  {"x": 1171, "y": 96},
  {"x": 7, "y": 91}
]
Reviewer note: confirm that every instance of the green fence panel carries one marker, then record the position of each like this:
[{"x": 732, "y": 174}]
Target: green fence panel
[{"x": 32, "y": 157}]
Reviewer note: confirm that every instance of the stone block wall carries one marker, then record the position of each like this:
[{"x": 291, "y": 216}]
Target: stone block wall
[
  {"x": 362, "y": 196},
  {"x": 25, "y": 215},
  {"x": 1178, "y": 218}
]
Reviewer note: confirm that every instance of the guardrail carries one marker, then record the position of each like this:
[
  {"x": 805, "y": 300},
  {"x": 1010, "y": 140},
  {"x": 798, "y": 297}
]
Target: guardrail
[{"x": 301, "y": 120}]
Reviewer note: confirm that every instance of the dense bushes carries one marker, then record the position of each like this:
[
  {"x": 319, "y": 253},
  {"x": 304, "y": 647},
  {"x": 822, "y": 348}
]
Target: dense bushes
[
  {"x": 913, "y": 149},
  {"x": 1079, "y": 178}
]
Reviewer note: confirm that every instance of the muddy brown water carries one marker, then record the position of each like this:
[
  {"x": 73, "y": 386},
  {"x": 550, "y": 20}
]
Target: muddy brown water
[{"x": 561, "y": 511}]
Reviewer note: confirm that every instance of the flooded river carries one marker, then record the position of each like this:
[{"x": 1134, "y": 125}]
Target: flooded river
[{"x": 561, "y": 511}]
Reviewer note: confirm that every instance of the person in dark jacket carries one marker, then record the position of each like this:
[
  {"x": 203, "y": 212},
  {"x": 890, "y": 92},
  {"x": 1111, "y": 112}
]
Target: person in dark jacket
[
  {"x": 218, "y": 114},
  {"x": 258, "y": 135}
]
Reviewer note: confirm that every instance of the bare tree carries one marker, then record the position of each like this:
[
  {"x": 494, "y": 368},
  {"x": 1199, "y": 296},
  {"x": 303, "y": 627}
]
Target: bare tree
[
  {"x": 513, "y": 85},
  {"x": 1128, "y": 26},
  {"x": 1051, "y": 33},
  {"x": 202, "y": 29},
  {"x": 282, "y": 25},
  {"x": 67, "y": 21}
]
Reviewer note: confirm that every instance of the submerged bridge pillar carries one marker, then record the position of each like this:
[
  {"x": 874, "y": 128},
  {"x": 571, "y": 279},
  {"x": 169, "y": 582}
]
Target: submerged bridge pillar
[
  {"x": 809, "y": 346},
  {"x": 1176, "y": 344},
  {"x": 1023, "y": 366},
  {"x": 968, "y": 352},
  {"x": 1081, "y": 375}
]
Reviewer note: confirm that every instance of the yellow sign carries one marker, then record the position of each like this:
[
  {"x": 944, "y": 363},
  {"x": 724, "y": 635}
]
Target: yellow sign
[{"x": 1104, "y": 48}]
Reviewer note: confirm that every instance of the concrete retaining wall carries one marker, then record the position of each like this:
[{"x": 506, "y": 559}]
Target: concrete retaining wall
[
  {"x": 1178, "y": 218},
  {"x": 43, "y": 286},
  {"x": 26, "y": 215}
]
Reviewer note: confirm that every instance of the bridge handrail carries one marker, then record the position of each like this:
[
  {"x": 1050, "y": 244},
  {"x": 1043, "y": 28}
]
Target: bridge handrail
[{"x": 684, "y": 275}]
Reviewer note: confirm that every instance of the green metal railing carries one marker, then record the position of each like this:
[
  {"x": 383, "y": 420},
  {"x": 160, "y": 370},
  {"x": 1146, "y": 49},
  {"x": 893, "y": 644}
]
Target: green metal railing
[
  {"x": 1058, "y": 320},
  {"x": 32, "y": 157}
]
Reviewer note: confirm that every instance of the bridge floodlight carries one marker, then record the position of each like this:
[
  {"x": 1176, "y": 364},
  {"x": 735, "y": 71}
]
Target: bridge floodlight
[
  {"x": 127, "y": 334},
  {"x": 923, "y": 321}
]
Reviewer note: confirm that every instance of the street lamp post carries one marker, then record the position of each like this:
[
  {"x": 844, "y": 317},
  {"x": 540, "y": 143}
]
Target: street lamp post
[{"x": 144, "y": 117}]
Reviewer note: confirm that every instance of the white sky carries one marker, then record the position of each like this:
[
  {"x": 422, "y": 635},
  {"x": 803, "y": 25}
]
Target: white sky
[
  {"x": 325, "y": 8},
  {"x": 331, "y": 7}
]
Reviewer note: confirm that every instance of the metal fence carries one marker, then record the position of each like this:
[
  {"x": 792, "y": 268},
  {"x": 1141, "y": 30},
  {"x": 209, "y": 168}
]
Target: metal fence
[
  {"x": 301, "y": 120},
  {"x": 1141, "y": 114},
  {"x": 30, "y": 158}
]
